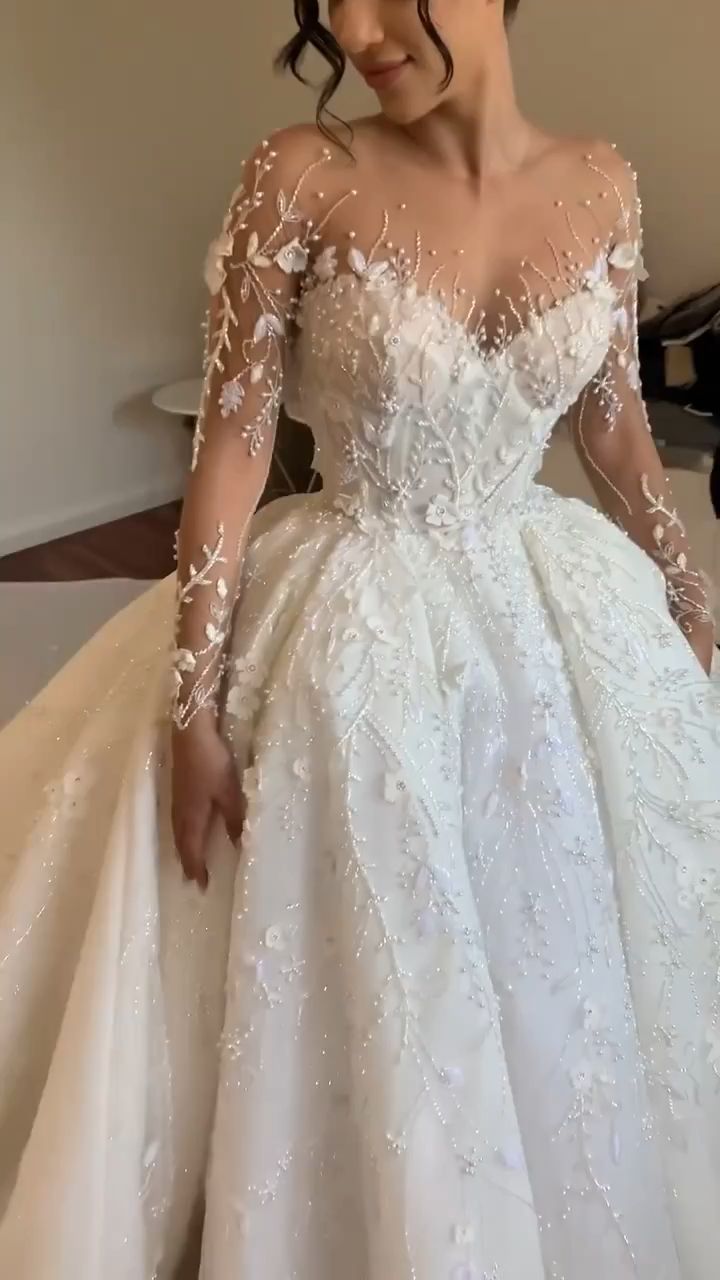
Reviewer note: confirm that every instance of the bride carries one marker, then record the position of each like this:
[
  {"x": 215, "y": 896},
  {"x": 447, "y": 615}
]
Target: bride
[{"x": 440, "y": 748}]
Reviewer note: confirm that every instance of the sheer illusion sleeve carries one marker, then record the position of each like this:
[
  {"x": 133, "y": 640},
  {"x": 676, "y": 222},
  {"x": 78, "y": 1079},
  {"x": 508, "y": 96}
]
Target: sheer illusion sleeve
[
  {"x": 254, "y": 273},
  {"x": 611, "y": 430}
]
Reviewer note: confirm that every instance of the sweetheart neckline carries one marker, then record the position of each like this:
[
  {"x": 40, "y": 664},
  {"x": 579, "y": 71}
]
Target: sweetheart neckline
[{"x": 485, "y": 355}]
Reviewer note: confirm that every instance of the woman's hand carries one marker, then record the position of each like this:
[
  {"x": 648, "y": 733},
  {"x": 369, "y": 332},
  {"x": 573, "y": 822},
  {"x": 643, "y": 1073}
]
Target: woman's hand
[{"x": 204, "y": 780}]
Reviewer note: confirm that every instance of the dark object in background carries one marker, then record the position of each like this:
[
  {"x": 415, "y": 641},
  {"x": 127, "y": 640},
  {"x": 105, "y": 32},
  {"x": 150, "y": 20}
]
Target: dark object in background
[
  {"x": 680, "y": 363},
  {"x": 291, "y": 470},
  {"x": 715, "y": 484},
  {"x": 692, "y": 326}
]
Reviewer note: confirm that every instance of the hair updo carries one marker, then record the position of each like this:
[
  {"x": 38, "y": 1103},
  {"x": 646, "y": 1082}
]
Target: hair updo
[{"x": 311, "y": 33}]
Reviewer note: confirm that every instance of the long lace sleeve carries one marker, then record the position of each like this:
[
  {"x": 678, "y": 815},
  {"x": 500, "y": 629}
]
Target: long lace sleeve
[
  {"x": 254, "y": 272},
  {"x": 611, "y": 430}
]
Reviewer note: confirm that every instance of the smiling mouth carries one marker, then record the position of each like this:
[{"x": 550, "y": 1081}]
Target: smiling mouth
[{"x": 385, "y": 74}]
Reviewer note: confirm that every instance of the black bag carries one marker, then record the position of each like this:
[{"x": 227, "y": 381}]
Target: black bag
[{"x": 693, "y": 324}]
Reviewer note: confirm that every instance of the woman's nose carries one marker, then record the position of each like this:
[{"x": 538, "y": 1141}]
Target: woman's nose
[{"x": 357, "y": 26}]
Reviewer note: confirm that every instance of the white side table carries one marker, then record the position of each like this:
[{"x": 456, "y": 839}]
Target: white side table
[{"x": 181, "y": 399}]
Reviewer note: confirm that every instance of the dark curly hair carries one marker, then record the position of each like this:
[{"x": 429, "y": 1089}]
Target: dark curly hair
[{"x": 312, "y": 34}]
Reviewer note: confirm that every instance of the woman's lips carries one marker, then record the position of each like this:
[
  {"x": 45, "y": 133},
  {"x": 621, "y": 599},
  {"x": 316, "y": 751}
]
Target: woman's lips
[{"x": 384, "y": 74}]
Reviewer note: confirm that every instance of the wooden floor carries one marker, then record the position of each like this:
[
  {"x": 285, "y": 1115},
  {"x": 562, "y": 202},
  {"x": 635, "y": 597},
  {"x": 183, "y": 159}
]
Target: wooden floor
[{"x": 139, "y": 546}]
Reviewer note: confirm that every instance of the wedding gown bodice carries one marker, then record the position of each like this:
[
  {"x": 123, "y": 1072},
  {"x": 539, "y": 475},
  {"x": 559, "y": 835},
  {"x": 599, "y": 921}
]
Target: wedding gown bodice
[{"x": 414, "y": 422}]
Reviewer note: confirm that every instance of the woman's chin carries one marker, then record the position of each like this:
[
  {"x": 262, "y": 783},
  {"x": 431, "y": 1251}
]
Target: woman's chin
[{"x": 402, "y": 108}]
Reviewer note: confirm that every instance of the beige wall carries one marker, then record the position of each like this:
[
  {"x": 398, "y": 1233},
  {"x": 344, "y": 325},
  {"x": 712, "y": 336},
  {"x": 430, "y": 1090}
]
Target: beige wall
[
  {"x": 646, "y": 74},
  {"x": 122, "y": 126}
]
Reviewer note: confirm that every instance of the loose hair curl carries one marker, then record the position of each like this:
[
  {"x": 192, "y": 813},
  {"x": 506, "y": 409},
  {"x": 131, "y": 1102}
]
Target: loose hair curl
[{"x": 312, "y": 34}]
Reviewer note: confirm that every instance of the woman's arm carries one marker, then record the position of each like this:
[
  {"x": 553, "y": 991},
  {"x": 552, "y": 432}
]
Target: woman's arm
[
  {"x": 253, "y": 272},
  {"x": 611, "y": 430}
]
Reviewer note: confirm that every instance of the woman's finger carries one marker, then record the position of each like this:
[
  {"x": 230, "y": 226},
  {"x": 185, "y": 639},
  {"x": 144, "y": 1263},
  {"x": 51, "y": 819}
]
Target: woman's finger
[
  {"x": 231, "y": 803},
  {"x": 191, "y": 838}
]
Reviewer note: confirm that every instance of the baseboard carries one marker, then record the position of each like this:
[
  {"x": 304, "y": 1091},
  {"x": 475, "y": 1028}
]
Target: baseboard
[{"x": 73, "y": 520}]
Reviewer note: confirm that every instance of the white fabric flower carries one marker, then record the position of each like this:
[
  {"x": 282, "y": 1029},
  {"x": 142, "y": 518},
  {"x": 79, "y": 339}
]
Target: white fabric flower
[
  {"x": 292, "y": 258},
  {"x": 464, "y": 1234},
  {"x": 232, "y": 395},
  {"x": 242, "y": 702},
  {"x": 382, "y": 631},
  {"x": 275, "y": 938},
  {"x": 440, "y": 513},
  {"x": 184, "y": 660},
  {"x": 301, "y": 769},
  {"x": 706, "y": 884},
  {"x": 628, "y": 257},
  {"x": 593, "y": 1017},
  {"x": 220, "y": 249},
  {"x": 698, "y": 886},
  {"x": 325, "y": 267},
  {"x": 596, "y": 275},
  {"x": 372, "y": 272},
  {"x": 247, "y": 673},
  {"x": 252, "y": 254},
  {"x": 395, "y": 787},
  {"x": 597, "y": 281},
  {"x": 670, "y": 718},
  {"x": 380, "y": 433},
  {"x": 624, "y": 256},
  {"x": 348, "y": 503},
  {"x": 357, "y": 261},
  {"x": 267, "y": 325},
  {"x": 582, "y": 1077}
]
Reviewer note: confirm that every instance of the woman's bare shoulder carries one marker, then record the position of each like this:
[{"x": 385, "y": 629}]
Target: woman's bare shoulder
[
  {"x": 570, "y": 156},
  {"x": 586, "y": 171}
]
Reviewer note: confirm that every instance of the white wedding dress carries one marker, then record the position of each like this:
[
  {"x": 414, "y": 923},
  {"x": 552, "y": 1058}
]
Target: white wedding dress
[{"x": 452, "y": 1012}]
